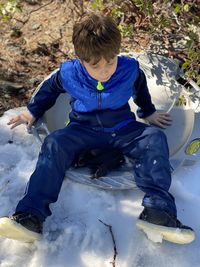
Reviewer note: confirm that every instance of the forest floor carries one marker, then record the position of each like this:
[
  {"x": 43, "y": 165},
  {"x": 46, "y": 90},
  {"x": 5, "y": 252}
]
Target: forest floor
[{"x": 38, "y": 39}]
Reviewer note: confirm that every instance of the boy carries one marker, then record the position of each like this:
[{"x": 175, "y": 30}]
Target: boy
[{"x": 100, "y": 84}]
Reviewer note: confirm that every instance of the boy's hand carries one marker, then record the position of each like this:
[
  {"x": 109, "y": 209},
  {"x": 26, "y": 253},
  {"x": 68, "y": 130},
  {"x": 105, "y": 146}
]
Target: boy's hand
[
  {"x": 160, "y": 119},
  {"x": 25, "y": 117}
]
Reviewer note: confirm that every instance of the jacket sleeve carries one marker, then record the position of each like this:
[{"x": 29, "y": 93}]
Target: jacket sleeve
[
  {"x": 142, "y": 97},
  {"x": 46, "y": 96}
]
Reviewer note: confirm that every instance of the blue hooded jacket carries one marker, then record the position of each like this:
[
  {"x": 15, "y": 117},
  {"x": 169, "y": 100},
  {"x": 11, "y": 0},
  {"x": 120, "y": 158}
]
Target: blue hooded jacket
[{"x": 93, "y": 107}]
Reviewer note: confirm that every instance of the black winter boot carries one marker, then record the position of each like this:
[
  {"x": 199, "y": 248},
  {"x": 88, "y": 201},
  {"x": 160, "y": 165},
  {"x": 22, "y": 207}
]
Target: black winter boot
[
  {"x": 31, "y": 222},
  {"x": 21, "y": 226},
  {"x": 165, "y": 224}
]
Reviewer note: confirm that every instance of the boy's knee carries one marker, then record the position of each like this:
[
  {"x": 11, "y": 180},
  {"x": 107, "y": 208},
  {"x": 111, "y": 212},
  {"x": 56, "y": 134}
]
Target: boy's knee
[
  {"x": 157, "y": 133},
  {"x": 157, "y": 138},
  {"x": 52, "y": 140}
]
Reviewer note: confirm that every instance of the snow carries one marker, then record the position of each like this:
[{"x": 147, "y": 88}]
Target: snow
[
  {"x": 153, "y": 236},
  {"x": 76, "y": 234}
]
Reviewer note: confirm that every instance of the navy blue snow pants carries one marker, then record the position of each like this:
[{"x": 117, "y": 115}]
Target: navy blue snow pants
[{"x": 145, "y": 144}]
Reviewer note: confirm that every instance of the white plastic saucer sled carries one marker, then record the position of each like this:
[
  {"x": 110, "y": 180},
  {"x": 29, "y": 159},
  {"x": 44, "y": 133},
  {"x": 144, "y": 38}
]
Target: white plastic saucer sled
[{"x": 183, "y": 135}]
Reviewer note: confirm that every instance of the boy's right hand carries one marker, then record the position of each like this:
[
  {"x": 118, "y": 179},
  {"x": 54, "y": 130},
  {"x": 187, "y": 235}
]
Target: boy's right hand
[{"x": 24, "y": 118}]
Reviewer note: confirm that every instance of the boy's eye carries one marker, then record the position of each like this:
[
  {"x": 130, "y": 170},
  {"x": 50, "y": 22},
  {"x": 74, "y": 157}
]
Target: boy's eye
[
  {"x": 112, "y": 61},
  {"x": 108, "y": 63}
]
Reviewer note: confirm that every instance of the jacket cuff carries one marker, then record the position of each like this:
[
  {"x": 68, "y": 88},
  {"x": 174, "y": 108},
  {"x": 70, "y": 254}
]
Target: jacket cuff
[
  {"x": 35, "y": 112},
  {"x": 141, "y": 113}
]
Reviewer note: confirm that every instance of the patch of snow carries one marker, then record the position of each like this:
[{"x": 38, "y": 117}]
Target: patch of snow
[{"x": 73, "y": 235}]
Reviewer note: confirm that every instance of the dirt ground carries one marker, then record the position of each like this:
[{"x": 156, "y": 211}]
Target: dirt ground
[
  {"x": 38, "y": 39},
  {"x": 32, "y": 45}
]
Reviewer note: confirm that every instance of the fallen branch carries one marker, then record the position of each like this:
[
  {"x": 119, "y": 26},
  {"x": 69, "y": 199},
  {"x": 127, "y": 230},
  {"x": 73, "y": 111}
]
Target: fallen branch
[
  {"x": 114, "y": 243},
  {"x": 78, "y": 8},
  {"x": 29, "y": 15}
]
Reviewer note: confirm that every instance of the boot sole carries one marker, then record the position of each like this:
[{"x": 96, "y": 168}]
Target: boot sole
[
  {"x": 174, "y": 235},
  {"x": 13, "y": 230}
]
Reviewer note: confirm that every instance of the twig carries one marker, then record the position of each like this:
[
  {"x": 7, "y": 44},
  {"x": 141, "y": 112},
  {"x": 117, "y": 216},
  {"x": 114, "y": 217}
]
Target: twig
[
  {"x": 29, "y": 15},
  {"x": 41, "y": 7},
  {"x": 79, "y": 9},
  {"x": 177, "y": 21},
  {"x": 113, "y": 240}
]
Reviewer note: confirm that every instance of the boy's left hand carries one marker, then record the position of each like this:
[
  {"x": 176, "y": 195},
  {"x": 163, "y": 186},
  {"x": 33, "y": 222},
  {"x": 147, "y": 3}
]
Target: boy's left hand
[{"x": 160, "y": 119}]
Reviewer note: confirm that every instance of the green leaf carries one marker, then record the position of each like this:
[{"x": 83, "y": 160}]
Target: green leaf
[
  {"x": 97, "y": 5},
  {"x": 185, "y": 64},
  {"x": 186, "y": 8},
  {"x": 177, "y": 8}
]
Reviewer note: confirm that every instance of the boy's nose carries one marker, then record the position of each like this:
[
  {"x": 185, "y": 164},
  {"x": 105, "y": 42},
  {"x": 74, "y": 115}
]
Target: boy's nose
[{"x": 105, "y": 71}]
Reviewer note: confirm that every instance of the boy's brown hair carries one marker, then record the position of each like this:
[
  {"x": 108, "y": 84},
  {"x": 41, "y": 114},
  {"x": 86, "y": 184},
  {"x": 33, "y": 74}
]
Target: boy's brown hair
[{"x": 95, "y": 37}]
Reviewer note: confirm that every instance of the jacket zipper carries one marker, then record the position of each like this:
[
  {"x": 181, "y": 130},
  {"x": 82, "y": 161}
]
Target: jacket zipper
[
  {"x": 99, "y": 87},
  {"x": 99, "y": 100}
]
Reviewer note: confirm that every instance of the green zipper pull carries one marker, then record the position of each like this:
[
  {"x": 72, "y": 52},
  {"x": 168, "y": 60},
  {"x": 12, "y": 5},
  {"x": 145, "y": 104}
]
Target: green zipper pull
[{"x": 100, "y": 86}]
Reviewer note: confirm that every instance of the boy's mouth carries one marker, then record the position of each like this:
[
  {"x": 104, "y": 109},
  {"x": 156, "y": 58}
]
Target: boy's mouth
[{"x": 105, "y": 79}]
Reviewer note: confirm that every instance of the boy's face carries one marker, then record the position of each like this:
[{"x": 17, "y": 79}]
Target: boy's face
[{"x": 102, "y": 70}]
